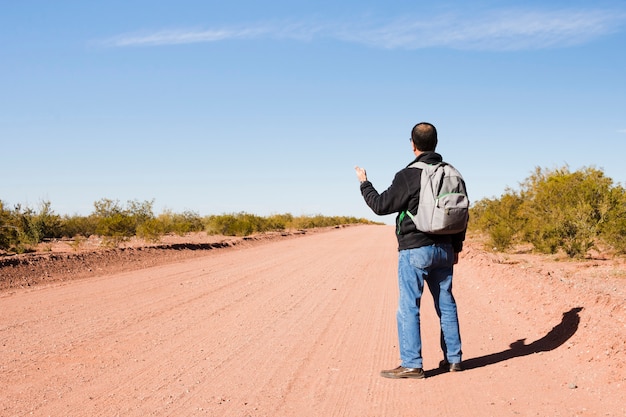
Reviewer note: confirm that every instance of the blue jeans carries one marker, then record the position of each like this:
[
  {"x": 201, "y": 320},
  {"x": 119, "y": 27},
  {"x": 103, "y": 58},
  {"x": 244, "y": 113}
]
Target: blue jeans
[{"x": 434, "y": 265}]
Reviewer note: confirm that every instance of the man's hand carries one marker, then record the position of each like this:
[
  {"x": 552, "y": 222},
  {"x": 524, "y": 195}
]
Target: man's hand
[{"x": 360, "y": 173}]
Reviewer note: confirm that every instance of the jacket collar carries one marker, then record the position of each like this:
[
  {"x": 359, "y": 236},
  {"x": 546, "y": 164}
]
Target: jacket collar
[{"x": 429, "y": 158}]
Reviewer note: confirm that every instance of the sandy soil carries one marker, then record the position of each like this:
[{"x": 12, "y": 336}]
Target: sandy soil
[{"x": 301, "y": 325}]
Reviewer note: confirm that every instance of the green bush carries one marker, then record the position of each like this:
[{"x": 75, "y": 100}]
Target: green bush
[
  {"x": 180, "y": 224},
  {"x": 244, "y": 224},
  {"x": 151, "y": 230},
  {"x": 240, "y": 224},
  {"x": 85, "y": 226},
  {"x": 565, "y": 209},
  {"x": 118, "y": 223},
  {"x": 500, "y": 219},
  {"x": 557, "y": 210},
  {"x": 23, "y": 228},
  {"x": 613, "y": 230},
  {"x": 8, "y": 230}
]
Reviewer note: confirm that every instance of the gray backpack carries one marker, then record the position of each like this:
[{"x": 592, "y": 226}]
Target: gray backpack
[{"x": 443, "y": 204}]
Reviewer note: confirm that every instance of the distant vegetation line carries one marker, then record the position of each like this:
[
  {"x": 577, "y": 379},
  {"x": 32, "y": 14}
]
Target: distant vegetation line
[
  {"x": 22, "y": 228},
  {"x": 555, "y": 210}
]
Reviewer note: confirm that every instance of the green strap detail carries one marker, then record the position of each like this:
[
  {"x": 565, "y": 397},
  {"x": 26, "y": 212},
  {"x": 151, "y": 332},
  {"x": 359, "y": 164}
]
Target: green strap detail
[{"x": 402, "y": 214}]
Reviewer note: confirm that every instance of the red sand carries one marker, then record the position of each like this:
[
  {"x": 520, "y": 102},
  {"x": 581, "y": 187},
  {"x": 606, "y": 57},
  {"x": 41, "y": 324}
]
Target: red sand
[{"x": 301, "y": 326}]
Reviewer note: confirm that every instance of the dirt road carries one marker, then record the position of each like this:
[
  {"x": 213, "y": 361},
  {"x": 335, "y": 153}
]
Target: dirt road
[{"x": 302, "y": 327}]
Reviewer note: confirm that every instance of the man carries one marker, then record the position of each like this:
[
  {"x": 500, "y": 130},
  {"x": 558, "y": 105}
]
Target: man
[{"x": 422, "y": 257}]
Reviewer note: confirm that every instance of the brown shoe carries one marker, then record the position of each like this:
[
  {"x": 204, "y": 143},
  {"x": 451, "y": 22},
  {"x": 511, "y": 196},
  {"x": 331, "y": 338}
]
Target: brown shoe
[
  {"x": 402, "y": 372},
  {"x": 452, "y": 367}
]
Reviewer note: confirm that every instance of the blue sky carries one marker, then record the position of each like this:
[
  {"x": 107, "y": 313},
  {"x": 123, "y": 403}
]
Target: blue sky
[{"x": 266, "y": 107}]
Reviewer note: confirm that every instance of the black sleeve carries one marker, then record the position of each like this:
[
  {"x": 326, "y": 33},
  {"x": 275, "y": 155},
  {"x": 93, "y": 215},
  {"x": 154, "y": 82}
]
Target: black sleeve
[{"x": 393, "y": 200}]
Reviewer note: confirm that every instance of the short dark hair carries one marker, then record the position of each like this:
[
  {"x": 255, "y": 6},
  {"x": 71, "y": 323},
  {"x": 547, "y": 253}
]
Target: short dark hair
[{"x": 424, "y": 136}]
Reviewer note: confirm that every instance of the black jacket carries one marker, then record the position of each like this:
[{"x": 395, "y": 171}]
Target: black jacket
[{"x": 403, "y": 194}]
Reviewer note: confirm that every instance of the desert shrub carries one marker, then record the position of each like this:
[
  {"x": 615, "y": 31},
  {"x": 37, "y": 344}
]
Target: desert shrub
[
  {"x": 47, "y": 223},
  {"x": 140, "y": 211},
  {"x": 151, "y": 230},
  {"x": 85, "y": 226},
  {"x": 499, "y": 218},
  {"x": 181, "y": 223},
  {"x": 28, "y": 228},
  {"x": 113, "y": 220},
  {"x": 244, "y": 224},
  {"x": 279, "y": 221},
  {"x": 23, "y": 227},
  {"x": 557, "y": 210},
  {"x": 28, "y": 233},
  {"x": 613, "y": 230},
  {"x": 240, "y": 224},
  {"x": 309, "y": 222},
  {"x": 565, "y": 209},
  {"x": 8, "y": 230},
  {"x": 35, "y": 226},
  {"x": 118, "y": 223}
]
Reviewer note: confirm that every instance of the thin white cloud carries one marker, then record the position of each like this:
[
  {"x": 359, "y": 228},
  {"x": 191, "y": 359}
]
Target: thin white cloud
[
  {"x": 503, "y": 30},
  {"x": 176, "y": 37},
  {"x": 621, "y": 131},
  {"x": 296, "y": 31},
  {"x": 510, "y": 30}
]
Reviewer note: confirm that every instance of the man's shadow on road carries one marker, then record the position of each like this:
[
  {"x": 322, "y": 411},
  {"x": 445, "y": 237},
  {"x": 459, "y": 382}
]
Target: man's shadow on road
[{"x": 552, "y": 340}]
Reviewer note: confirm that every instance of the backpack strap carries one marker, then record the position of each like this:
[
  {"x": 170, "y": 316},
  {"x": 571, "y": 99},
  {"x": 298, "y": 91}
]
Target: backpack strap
[{"x": 421, "y": 165}]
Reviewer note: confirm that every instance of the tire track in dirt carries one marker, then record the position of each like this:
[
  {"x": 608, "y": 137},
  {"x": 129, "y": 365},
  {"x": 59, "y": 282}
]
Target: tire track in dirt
[{"x": 297, "y": 327}]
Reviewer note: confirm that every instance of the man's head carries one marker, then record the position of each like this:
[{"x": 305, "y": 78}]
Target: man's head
[{"x": 424, "y": 137}]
